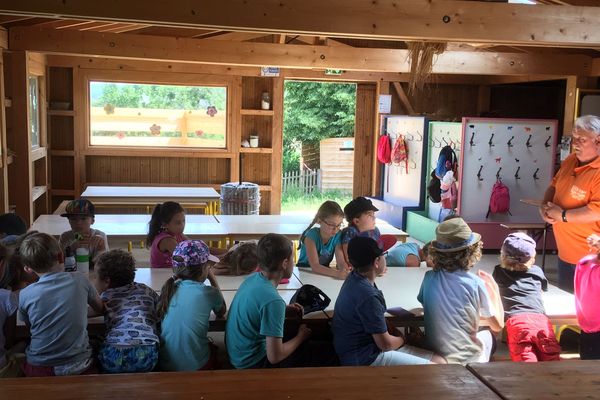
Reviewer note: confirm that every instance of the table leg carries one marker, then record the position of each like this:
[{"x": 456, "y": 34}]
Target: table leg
[{"x": 544, "y": 235}]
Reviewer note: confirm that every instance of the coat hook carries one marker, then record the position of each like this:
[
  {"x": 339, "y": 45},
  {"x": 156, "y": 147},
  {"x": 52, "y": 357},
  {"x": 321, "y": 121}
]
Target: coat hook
[
  {"x": 535, "y": 175},
  {"x": 479, "y": 173},
  {"x": 491, "y": 141},
  {"x": 420, "y": 139},
  {"x": 445, "y": 141},
  {"x": 528, "y": 143},
  {"x": 409, "y": 136},
  {"x": 517, "y": 173},
  {"x": 471, "y": 143},
  {"x": 509, "y": 143},
  {"x": 498, "y": 173},
  {"x": 413, "y": 164},
  {"x": 546, "y": 144}
]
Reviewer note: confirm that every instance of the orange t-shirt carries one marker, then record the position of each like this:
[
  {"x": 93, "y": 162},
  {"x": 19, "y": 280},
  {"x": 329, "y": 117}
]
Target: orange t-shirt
[{"x": 576, "y": 187}]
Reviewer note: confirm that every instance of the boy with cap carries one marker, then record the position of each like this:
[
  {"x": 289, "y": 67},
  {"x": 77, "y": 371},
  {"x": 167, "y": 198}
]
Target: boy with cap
[
  {"x": 81, "y": 217},
  {"x": 360, "y": 214},
  {"x": 361, "y": 334},
  {"x": 529, "y": 333},
  {"x": 455, "y": 301}
]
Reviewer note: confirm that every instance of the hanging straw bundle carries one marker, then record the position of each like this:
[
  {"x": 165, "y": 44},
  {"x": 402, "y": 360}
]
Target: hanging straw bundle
[{"x": 421, "y": 56}]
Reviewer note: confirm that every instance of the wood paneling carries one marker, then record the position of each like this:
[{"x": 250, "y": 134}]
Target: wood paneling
[
  {"x": 62, "y": 173},
  {"x": 256, "y": 168},
  {"x": 156, "y": 170},
  {"x": 61, "y": 132},
  {"x": 252, "y": 90},
  {"x": 61, "y": 88},
  {"x": 364, "y": 139}
]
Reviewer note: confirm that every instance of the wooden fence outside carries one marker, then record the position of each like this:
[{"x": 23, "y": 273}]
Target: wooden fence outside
[{"x": 305, "y": 180}]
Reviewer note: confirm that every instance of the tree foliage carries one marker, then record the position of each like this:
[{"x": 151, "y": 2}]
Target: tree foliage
[{"x": 314, "y": 111}]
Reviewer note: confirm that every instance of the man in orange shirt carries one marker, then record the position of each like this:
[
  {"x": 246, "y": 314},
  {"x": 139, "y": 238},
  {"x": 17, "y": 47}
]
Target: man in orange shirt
[{"x": 572, "y": 201}]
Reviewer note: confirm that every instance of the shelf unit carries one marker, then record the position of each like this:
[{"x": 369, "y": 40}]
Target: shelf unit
[
  {"x": 262, "y": 165},
  {"x": 61, "y": 135}
]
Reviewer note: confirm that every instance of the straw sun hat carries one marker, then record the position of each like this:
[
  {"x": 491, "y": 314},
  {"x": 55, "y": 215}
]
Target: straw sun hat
[{"x": 454, "y": 235}]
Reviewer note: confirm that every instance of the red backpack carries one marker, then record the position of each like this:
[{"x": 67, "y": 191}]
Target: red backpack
[
  {"x": 384, "y": 149},
  {"x": 499, "y": 199},
  {"x": 400, "y": 152}
]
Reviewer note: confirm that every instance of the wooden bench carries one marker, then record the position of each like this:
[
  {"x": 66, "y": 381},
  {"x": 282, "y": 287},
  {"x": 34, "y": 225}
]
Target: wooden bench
[
  {"x": 567, "y": 379},
  {"x": 347, "y": 383}
]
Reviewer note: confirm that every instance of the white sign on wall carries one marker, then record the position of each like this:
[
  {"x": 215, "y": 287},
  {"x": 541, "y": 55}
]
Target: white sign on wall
[{"x": 385, "y": 103}]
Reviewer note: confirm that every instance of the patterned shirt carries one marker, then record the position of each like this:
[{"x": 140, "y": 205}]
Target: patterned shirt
[
  {"x": 351, "y": 232},
  {"x": 130, "y": 315}
]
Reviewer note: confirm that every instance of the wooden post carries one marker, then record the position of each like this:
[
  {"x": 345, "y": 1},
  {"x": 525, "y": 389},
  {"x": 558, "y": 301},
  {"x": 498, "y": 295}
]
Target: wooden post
[{"x": 570, "y": 105}]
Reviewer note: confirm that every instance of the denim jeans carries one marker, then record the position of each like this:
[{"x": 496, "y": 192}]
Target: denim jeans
[
  {"x": 405, "y": 355},
  {"x": 566, "y": 275}
]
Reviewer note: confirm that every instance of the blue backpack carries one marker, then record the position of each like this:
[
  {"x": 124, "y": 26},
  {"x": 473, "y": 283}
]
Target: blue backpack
[{"x": 447, "y": 161}]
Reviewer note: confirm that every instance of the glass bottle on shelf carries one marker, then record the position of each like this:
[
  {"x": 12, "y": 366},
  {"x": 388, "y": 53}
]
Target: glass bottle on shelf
[{"x": 265, "y": 103}]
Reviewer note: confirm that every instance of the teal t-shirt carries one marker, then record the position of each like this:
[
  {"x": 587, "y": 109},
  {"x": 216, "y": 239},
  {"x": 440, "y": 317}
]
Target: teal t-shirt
[
  {"x": 257, "y": 311},
  {"x": 184, "y": 345},
  {"x": 326, "y": 251},
  {"x": 396, "y": 256}
]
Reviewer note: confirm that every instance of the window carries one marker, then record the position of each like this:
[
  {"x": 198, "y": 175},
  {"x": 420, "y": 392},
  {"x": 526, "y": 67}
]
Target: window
[
  {"x": 147, "y": 115},
  {"x": 34, "y": 111}
]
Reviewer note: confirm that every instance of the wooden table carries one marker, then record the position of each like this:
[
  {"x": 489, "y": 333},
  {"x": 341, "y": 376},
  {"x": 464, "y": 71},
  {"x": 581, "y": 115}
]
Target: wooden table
[
  {"x": 567, "y": 379},
  {"x": 150, "y": 195},
  {"x": 347, "y": 383},
  {"x": 132, "y": 226}
]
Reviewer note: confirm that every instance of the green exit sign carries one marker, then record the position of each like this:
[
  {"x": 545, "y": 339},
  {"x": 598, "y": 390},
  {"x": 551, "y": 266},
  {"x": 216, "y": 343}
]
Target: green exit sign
[{"x": 333, "y": 72}]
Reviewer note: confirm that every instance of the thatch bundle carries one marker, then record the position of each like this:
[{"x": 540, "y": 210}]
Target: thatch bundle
[{"x": 421, "y": 56}]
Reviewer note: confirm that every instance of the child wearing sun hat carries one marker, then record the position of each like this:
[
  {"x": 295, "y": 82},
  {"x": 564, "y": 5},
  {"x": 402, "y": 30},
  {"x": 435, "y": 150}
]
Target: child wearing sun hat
[{"x": 456, "y": 301}]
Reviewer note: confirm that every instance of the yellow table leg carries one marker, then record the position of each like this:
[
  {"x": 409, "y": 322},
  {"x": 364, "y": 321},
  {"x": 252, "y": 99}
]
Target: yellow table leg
[{"x": 129, "y": 246}]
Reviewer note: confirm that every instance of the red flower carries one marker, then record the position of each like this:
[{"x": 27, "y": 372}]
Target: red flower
[
  {"x": 199, "y": 132},
  {"x": 120, "y": 135}
]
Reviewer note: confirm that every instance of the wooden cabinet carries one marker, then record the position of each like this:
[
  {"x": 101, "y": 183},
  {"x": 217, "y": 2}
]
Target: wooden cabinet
[{"x": 262, "y": 164}]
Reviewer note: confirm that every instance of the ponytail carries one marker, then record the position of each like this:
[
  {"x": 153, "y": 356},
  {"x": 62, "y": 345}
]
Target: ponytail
[
  {"x": 166, "y": 293},
  {"x": 327, "y": 209},
  {"x": 162, "y": 214}
]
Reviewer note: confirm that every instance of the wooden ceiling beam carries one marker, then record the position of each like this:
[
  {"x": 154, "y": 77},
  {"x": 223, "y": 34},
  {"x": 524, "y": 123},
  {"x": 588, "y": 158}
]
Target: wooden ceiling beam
[
  {"x": 595, "y": 67},
  {"x": 292, "y": 56},
  {"x": 436, "y": 20},
  {"x": 238, "y": 36}
]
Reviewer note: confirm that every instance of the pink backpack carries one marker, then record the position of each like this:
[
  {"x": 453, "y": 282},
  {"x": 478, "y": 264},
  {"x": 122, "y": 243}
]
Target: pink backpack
[
  {"x": 384, "y": 149},
  {"x": 499, "y": 199},
  {"x": 400, "y": 152}
]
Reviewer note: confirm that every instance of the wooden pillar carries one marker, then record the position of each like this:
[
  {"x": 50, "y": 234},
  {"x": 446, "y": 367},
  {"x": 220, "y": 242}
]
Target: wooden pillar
[
  {"x": 364, "y": 138},
  {"x": 277, "y": 145},
  {"x": 3, "y": 148},
  {"x": 570, "y": 105}
]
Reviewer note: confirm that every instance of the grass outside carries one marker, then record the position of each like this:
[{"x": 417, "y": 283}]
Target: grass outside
[{"x": 295, "y": 201}]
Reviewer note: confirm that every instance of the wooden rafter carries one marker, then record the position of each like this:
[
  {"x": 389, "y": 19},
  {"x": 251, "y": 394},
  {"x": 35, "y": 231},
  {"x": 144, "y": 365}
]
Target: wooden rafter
[
  {"x": 293, "y": 56},
  {"x": 436, "y": 20},
  {"x": 404, "y": 98}
]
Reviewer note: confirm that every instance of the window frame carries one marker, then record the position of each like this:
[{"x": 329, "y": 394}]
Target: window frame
[{"x": 155, "y": 78}]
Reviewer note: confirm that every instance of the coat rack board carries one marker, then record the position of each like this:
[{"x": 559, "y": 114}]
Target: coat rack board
[
  {"x": 440, "y": 135},
  {"x": 401, "y": 186},
  {"x": 520, "y": 153}
]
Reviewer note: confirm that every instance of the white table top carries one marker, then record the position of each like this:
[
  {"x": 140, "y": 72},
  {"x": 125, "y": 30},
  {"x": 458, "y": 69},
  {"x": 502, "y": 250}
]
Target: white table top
[
  {"x": 156, "y": 277},
  {"x": 400, "y": 287},
  {"x": 154, "y": 193},
  {"x": 131, "y": 226}
]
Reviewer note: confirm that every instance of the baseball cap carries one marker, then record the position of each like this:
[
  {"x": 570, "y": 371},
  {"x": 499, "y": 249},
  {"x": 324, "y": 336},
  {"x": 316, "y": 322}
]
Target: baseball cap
[
  {"x": 363, "y": 250},
  {"x": 519, "y": 246},
  {"x": 79, "y": 207},
  {"x": 191, "y": 252},
  {"x": 358, "y": 206}
]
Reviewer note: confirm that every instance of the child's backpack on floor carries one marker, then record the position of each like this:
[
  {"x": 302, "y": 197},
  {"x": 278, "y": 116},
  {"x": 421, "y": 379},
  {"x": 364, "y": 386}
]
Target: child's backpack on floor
[
  {"x": 400, "y": 152},
  {"x": 499, "y": 199},
  {"x": 447, "y": 161},
  {"x": 434, "y": 190}
]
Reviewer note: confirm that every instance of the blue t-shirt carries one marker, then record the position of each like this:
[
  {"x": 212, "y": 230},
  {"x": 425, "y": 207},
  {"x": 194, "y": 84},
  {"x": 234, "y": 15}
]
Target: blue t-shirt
[
  {"x": 130, "y": 315},
  {"x": 453, "y": 302},
  {"x": 349, "y": 232},
  {"x": 326, "y": 251},
  {"x": 396, "y": 256},
  {"x": 56, "y": 309},
  {"x": 257, "y": 311},
  {"x": 184, "y": 345},
  {"x": 358, "y": 314}
]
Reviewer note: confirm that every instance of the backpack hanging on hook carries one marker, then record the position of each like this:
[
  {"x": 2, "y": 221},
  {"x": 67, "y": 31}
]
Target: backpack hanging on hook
[
  {"x": 384, "y": 149},
  {"x": 400, "y": 152},
  {"x": 499, "y": 199},
  {"x": 447, "y": 161}
]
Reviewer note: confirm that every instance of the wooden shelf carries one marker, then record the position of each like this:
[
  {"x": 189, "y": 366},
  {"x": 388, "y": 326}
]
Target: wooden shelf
[
  {"x": 62, "y": 113},
  {"x": 37, "y": 192},
  {"x": 62, "y": 192},
  {"x": 266, "y": 113},
  {"x": 38, "y": 153},
  {"x": 63, "y": 153},
  {"x": 256, "y": 150},
  {"x": 265, "y": 188}
]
